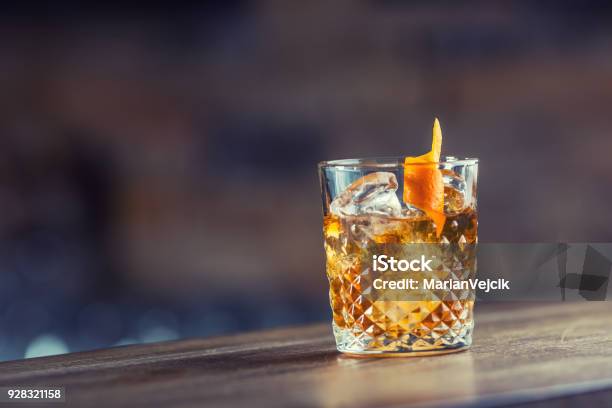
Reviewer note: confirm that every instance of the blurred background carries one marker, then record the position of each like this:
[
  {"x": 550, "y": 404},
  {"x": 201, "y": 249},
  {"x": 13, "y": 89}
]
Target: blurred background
[{"x": 158, "y": 166}]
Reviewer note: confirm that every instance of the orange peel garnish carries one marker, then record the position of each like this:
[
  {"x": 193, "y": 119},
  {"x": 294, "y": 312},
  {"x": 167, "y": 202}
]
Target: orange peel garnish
[{"x": 423, "y": 184}]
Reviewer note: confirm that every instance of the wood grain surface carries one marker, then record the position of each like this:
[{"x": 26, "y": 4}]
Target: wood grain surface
[{"x": 538, "y": 355}]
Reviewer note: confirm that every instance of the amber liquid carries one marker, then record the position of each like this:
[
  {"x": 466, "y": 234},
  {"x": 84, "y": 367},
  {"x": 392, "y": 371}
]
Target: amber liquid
[{"x": 365, "y": 325}]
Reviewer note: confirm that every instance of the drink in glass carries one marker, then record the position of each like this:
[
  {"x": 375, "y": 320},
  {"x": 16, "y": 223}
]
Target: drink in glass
[{"x": 427, "y": 225}]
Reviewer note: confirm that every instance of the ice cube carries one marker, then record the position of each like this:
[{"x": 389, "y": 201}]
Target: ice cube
[
  {"x": 410, "y": 211},
  {"x": 454, "y": 192},
  {"x": 374, "y": 193}
]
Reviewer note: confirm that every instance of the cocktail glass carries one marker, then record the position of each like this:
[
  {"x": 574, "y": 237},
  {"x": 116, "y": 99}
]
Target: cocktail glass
[{"x": 365, "y": 217}]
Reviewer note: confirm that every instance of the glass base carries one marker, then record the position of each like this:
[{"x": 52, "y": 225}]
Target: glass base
[
  {"x": 403, "y": 354},
  {"x": 361, "y": 344}
]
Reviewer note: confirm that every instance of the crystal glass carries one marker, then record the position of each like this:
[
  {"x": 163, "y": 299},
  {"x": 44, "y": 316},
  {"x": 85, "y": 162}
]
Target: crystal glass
[{"x": 365, "y": 217}]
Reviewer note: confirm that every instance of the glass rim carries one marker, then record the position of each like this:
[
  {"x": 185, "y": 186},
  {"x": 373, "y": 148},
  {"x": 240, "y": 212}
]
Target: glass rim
[{"x": 392, "y": 162}]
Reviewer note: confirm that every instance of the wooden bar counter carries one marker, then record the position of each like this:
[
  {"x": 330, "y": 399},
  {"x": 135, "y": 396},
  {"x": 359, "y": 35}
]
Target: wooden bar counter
[{"x": 536, "y": 355}]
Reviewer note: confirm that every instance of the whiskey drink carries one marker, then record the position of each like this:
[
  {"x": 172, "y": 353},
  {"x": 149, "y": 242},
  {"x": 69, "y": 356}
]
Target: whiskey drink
[
  {"x": 366, "y": 221},
  {"x": 378, "y": 224}
]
